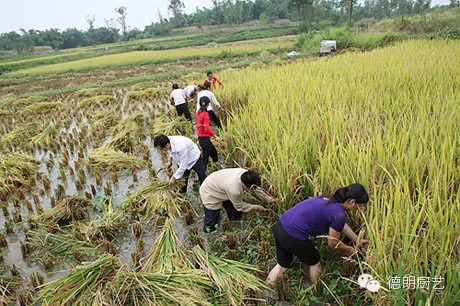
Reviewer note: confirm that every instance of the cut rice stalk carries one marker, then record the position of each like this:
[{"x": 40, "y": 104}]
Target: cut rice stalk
[
  {"x": 233, "y": 278},
  {"x": 167, "y": 252}
]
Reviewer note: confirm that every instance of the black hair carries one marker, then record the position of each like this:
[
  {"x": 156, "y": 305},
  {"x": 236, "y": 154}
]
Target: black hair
[
  {"x": 204, "y": 102},
  {"x": 160, "y": 141},
  {"x": 208, "y": 73},
  {"x": 250, "y": 178},
  {"x": 175, "y": 86},
  {"x": 351, "y": 192},
  {"x": 206, "y": 85}
]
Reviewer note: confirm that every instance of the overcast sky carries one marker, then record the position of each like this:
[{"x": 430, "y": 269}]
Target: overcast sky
[{"x": 62, "y": 14}]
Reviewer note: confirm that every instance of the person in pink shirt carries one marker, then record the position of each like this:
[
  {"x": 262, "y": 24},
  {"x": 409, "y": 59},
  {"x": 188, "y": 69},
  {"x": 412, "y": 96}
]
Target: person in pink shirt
[{"x": 205, "y": 133}]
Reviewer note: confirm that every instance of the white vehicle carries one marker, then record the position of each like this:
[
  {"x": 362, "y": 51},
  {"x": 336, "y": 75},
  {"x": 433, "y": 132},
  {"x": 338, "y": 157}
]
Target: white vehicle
[{"x": 328, "y": 47}]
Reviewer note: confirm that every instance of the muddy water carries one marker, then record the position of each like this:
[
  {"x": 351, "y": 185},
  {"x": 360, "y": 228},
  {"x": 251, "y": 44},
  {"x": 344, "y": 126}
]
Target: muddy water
[{"x": 49, "y": 166}]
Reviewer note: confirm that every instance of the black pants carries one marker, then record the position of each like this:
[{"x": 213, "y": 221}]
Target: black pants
[
  {"x": 211, "y": 217},
  {"x": 288, "y": 246},
  {"x": 182, "y": 110},
  {"x": 214, "y": 118},
  {"x": 208, "y": 149},
  {"x": 200, "y": 170}
]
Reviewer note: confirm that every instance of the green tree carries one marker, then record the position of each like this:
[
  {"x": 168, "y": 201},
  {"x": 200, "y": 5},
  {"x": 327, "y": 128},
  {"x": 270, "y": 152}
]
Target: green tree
[
  {"x": 176, "y": 7},
  {"x": 90, "y": 20},
  {"x": 122, "y": 10}
]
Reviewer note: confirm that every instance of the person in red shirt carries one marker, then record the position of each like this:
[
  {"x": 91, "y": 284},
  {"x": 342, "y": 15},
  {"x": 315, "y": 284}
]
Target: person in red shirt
[
  {"x": 211, "y": 79},
  {"x": 205, "y": 133}
]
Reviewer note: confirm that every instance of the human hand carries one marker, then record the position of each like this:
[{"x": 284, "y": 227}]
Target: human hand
[
  {"x": 217, "y": 138},
  {"x": 363, "y": 243},
  {"x": 172, "y": 180},
  {"x": 261, "y": 208}
]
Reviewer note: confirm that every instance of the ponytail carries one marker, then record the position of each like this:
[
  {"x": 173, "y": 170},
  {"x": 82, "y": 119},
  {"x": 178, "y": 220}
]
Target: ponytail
[
  {"x": 204, "y": 102},
  {"x": 351, "y": 192}
]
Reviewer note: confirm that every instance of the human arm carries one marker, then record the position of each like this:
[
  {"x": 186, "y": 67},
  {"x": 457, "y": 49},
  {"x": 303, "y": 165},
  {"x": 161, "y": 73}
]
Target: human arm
[
  {"x": 219, "y": 82},
  {"x": 181, "y": 158},
  {"x": 171, "y": 99},
  {"x": 347, "y": 231},
  {"x": 169, "y": 163},
  {"x": 215, "y": 102},
  {"x": 264, "y": 196},
  {"x": 240, "y": 205},
  {"x": 206, "y": 124},
  {"x": 334, "y": 242}
]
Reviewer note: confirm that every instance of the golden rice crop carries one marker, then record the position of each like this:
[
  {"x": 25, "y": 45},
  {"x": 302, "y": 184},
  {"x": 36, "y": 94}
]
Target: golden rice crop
[
  {"x": 139, "y": 57},
  {"x": 109, "y": 160},
  {"x": 16, "y": 170},
  {"x": 388, "y": 119}
]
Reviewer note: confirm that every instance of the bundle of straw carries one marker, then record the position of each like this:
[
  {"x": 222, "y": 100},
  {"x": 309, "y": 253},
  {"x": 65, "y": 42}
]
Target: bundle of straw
[
  {"x": 47, "y": 136},
  {"x": 176, "y": 126},
  {"x": 20, "y": 135},
  {"x": 41, "y": 108},
  {"x": 59, "y": 244},
  {"x": 156, "y": 198},
  {"x": 72, "y": 208},
  {"x": 161, "y": 288},
  {"x": 102, "y": 100},
  {"x": 16, "y": 170},
  {"x": 167, "y": 252},
  {"x": 112, "y": 160},
  {"x": 233, "y": 278},
  {"x": 86, "y": 285},
  {"x": 105, "y": 227},
  {"x": 7, "y": 287}
]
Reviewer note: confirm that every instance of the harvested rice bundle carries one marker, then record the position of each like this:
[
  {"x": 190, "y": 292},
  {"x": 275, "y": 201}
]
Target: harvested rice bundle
[
  {"x": 112, "y": 160},
  {"x": 59, "y": 244},
  {"x": 8, "y": 286},
  {"x": 85, "y": 285},
  {"x": 101, "y": 101},
  {"x": 156, "y": 198},
  {"x": 90, "y": 92},
  {"x": 176, "y": 126},
  {"x": 128, "y": 135},
  {"x": 20, "y": 135},
  {"x": 162, "y": 288},
  {"x": 72, "y": 208},
  {"x": 233, "y": 278},
  {"x": 16, "y": 171},
  {"x": 47, "y": 136},
  {"x": 105, "y": 227},
  {"x": 167, "y": 252},
  {"x": 41, "y": 108}
]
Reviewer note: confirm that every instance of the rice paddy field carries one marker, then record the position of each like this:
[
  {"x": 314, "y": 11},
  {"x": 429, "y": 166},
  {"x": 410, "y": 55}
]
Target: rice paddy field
[{"x": 89, "y": 219}]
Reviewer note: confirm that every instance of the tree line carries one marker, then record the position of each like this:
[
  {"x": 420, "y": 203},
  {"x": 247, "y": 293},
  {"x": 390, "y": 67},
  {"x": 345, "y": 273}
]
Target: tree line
[{"x": 310, "y": 14}]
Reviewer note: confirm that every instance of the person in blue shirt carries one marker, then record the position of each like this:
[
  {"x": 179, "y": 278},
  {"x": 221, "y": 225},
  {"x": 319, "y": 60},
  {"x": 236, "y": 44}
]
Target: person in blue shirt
[{"x": 316, "y": 216}]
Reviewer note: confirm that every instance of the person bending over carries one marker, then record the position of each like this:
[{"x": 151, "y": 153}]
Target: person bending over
[
  {"x": 316, "y": 216},
  {"x": 185, "y": 153},
  {"x": 224, "y": 189}
]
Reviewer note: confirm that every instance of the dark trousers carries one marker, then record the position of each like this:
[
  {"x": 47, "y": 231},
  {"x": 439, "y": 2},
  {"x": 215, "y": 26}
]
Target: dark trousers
[
  {"x": 182, "y": 110},
  {"x": 208, "y": 149},
  {"x": 200, "y": 170},
  {"x": 211, "y": 217},
  {"x": 214, "y": 118}
]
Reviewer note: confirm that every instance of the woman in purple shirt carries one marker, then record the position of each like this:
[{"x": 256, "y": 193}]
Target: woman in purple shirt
[{"x": 316, "y": 216}]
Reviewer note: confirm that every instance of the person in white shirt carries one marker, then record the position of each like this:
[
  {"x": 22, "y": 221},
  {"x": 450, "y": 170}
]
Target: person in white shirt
[
  {"x": 185, "y": 153},
  {"x": 205, "y": 92},
  {"x": 190, "y": 92},
  {"x": 224, "y": 189},
  {"x": 178, "y": 99}
]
